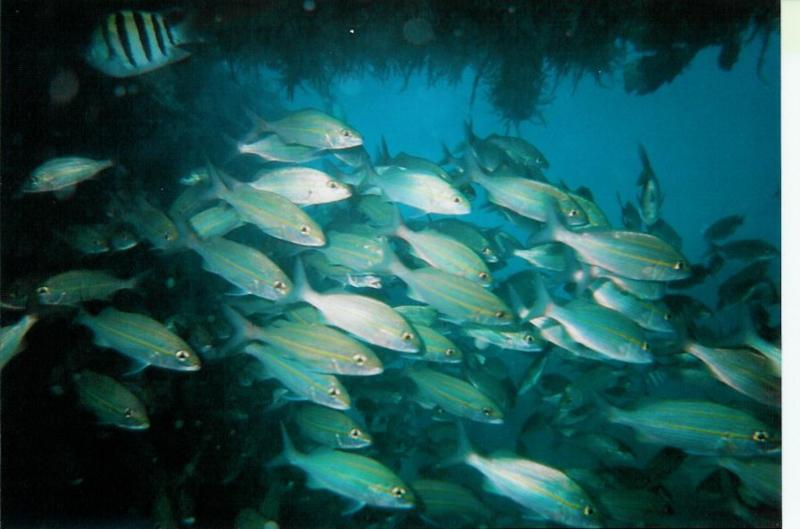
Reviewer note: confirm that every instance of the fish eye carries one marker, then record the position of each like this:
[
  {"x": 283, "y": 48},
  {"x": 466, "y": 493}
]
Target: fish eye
[
  {"x": 398, "y": 492},
  {"x": 645, "y": 346},
  {"x": 679, "y": 265},
  {"x": 449, "y": 352},
  {"x": 128, "y": 413},
  {"x": 359, "y": 359},
  {"x": 305, "y": 230},
  {"x": 588, "y": 510},
  {"x": 332, "y": 184},
  {"x": 457, "y": 199},
  {"x": 573, "y": 213},
  {"x": 182, "y": 355},
  {"x": 667, "y": 316},
  {"x": 500, "y": 314},
  {"x": 487, "y": 412},
  {"x": 760, "y": 436},
  {"x": 355, "y": 433},
  {"x": 486, "y": 251},
  {"x": 407, "y": 336},
  {"x": 528, "y": 338},
  {"x": 483, "y": 275},
  {"x": 42, "y": 291},
  {"x": 346, "y": 133},
  {"x": 333, "y": 391},
  {"x": 279, "y": 285}
]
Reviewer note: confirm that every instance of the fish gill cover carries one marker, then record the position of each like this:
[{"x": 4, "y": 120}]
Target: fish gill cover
[{"x": 390, "y": 264}]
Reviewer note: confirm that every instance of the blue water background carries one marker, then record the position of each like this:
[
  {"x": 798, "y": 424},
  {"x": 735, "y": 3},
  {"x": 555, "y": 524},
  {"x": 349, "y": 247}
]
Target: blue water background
[{"x": 713, "y": 137}]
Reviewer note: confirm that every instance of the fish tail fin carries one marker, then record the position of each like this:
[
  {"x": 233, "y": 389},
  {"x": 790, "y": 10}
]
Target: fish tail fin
[
  {"x": 259, "y": 125},
  {"x": 605, "y": 411},
  {"x": 243, "y": 330},
  {"x": 393, "y": 265},
  {"x": 538, "y": 307},
  {"x": 506, "y": 243},
  {"x": 473, "y": 172},
  {"x": 447, "y": 156},
  {"x": 753, "y": 339},
  {"x": 553, "y": 228},
  {"x": 463, "y": 448},
  {"x": 302, "y": 290},
  {"x": 214, "y": 179},
  {"x": 289, "y": 455},
  {"x": 383, "y": 152},
  {"x": 647, "y": 169},
  {"x": 134, "y": 282},
  {"x": 713, "y": 249}
]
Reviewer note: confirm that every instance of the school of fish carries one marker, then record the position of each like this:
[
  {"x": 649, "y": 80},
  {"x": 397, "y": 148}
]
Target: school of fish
[{"x": 397, "y": 336}]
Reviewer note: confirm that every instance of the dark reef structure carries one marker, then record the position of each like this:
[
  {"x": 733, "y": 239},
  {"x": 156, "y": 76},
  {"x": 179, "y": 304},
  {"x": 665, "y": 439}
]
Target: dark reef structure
[{"x": 518, "y": 49}]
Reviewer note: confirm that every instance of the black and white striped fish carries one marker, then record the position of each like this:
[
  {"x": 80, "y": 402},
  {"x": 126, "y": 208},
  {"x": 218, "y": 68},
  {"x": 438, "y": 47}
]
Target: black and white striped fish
[{"x": 129, "y": 43}]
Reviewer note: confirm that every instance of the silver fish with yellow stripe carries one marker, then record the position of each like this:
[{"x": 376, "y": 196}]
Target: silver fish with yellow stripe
[
  {"x": 627, "y": 253},
  {"x": 323, "y": 389},
  {"x": 529, "y": 198},
  {"x": 77, "y": 286},
  {"x": 542, "y": 489},
  {"x": 436, "y": 347},
  {"x": 649, "y": 314},
  {"x": 593, "y": 326},
  {"x": 744, "y": 370},
  {"x": 245, "y": 267},
  {"x": 330, "y": 427},
  {"x": 304, "y": 186},
  {"x": 369, "y": 319},
  {"x": 697, "y": 427},
  {"x": 270, "y": 212},
  {"x": 419, "y": 189},
  {"x": 129, "y": 43},
  {"x": 468, "y": 235},
  {"x": 454, "y": 396},
  {"x": 319, "y": 347},
  {"x": 63, "y": 174},
  {"x": 311, "y": 128},
  {"x": 357, "y": 252},
  {"x": 451, "y": 295},
  {"x": 111, "y": 402},
  {"x": 141, "y": 338},
  {"x": 362, "y": 480},
  {"x": 445, "y": 253}
]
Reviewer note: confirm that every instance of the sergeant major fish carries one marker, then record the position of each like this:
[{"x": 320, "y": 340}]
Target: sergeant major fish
[{"x": 129, "y": 43}]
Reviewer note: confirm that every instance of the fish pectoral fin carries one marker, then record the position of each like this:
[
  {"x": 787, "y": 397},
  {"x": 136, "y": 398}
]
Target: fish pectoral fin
[
  {"x": 353, "y": 507},
  {"x": 482, "y": 344},
  {"x": 415, "y": 295},
  {"x": 282, "y": 397},
  {"x": 136, "y": 367},
  {"x": 314, "y": 483},
  {"x": 490, "y": 487},
  {"x": 178, "y": 54},
  {"x": 238, "y": 291}
]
